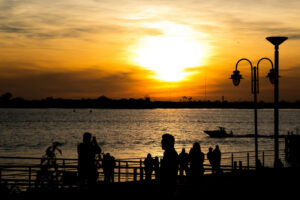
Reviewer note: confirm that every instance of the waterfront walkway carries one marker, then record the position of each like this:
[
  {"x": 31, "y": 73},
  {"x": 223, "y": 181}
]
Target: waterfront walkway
[
  {"x": 238, "y": 176},
  {"x": 266, "y": 183}
]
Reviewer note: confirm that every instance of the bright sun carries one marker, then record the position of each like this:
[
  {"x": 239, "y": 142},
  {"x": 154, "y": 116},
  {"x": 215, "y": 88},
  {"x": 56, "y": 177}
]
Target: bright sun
[{"x": 170, "y": 54}]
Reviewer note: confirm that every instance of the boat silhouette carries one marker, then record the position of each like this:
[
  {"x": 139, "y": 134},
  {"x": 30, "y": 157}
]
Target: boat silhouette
[{"x": 220, "y": 133}]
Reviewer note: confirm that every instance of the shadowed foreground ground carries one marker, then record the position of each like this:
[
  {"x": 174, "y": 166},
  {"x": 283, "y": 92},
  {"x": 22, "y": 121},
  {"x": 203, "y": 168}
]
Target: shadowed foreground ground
[{"x": 266, "y": 183}]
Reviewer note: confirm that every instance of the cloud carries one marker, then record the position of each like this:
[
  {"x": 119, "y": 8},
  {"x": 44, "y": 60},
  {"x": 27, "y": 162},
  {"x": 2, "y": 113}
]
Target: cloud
[
  {"x": 295, "y": 37},
  {"x": 30, "y": 82}
]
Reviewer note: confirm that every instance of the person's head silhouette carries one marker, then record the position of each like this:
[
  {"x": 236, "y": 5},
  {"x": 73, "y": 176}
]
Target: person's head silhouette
[
  {"x": 87, "y": 137},
  {"x": 167, "y": 141},
  {"x": 196, "y": 146}
]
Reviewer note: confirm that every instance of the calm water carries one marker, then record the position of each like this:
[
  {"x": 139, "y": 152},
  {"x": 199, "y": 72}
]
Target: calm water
[{"x": 134, "y": 133}]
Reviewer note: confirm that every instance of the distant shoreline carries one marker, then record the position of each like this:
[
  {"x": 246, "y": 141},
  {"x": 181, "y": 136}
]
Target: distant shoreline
[
  {"x": 6, "y": 101},
  {"x": 141, "y": 104}
]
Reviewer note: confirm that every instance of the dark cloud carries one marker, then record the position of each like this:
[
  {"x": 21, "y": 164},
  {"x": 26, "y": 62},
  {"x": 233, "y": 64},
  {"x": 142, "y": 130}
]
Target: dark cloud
[
  {"x": 295, "y": 37},
  {"x": 32, "y": 83}
]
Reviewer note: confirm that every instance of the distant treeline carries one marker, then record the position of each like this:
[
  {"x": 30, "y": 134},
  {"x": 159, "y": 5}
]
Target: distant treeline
[{"x": 7, "y": 101}]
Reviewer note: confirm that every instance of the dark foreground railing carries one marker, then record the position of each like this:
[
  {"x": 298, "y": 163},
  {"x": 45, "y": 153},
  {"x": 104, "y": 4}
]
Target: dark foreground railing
[{"x": 22, "y": 173}]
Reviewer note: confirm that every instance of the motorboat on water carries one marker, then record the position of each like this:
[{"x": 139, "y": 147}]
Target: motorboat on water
[{"x": 220, "y": 133}]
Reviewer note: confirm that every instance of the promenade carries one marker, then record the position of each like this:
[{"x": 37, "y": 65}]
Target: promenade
[
  {"x": 265, "y": 183},
  {"x": 236, "y": 181}
]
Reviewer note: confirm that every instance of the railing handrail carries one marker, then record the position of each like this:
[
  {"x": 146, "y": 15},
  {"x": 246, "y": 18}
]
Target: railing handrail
[{"x": 121, "y": 159}]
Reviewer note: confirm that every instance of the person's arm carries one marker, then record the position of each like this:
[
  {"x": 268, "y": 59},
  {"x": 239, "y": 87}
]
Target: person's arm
[{"x": 97, "y": 148}]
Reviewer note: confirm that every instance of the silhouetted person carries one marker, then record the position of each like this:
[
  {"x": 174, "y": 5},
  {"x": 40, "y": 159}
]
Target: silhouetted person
[
  {"x": 108, "y": 165},
  {"x": 183, "y": 163},
  {"x": 148, "y": 162},
  {"x": 196, "y": 160},
  {"x": 169, "y": 165},
  {"x": 217, "y": 159},
  {"x": 87, "y": 166},
  {"x": 156, "y": 167},
  {"x": 211, "y": 159}
]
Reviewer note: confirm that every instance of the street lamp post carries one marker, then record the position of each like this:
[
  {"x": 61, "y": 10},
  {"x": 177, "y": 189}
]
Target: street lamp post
[
  {"x": 236, "y": 77},
  {"x": 276, "y": 41}
]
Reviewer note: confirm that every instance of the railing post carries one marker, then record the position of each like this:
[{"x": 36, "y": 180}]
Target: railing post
[
  {"x": 240, "y": 165},
  {"x": 134, "y": 174},
  {"x": 126, "y": 171},
  {"x": 64, "y": 164},
  {"x": 248, "y": 161},
  {"x": 234, "y": 166},
  {"x": 141, "y": 171},
  {"x": 232, "y": 161},
  {"x": 29, "y": 178},
  {"x": 263, "y": 159},
  {"x": 119, "y": 172}
]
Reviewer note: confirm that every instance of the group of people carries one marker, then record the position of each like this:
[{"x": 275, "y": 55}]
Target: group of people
[
  {"x": 189, "y": 163},
  {"x": 166, "y": 171},
  {"x": 192, "y": 163},
  {"x": 89, "y": 154}
]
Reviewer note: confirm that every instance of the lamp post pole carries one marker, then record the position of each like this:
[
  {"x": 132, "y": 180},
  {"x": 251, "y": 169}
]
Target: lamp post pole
[
  {"x": 276, "y": 114},
  {"x": 236, "y": 77},
  {"x": 255, "y": 91},
  {"x": 276, "y": 41}
]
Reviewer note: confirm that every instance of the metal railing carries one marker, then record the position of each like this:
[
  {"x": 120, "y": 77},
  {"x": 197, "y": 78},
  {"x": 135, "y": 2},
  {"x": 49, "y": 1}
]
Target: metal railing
[{"x": 22, "y": 173}]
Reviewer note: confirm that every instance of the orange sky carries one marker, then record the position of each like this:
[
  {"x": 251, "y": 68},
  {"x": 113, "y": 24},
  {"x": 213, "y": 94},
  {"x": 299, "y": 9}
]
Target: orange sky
[{"x": 137, "y": 48}]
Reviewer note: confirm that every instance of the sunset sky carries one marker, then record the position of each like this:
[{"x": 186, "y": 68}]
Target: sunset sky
[{"x": 163, "y": 49}]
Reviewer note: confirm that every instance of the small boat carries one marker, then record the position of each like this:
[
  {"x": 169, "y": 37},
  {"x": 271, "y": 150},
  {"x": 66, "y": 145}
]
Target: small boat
[{"x": 220, "y": 133}]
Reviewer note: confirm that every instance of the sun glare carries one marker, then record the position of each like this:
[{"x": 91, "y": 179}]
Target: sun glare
[{"x": 168, "y": 55}]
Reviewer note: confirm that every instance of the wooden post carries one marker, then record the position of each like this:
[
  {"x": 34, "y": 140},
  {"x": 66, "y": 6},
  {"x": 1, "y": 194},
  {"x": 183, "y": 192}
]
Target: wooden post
[
  {"x": 141, "y": 171},
  {"x": 119, "y": 172},
  {"x": 134, "y": 174}
]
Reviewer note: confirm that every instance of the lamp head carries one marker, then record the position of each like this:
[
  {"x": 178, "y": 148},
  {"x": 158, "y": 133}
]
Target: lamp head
[
  {"x": 271, "y": 76},
  {"x": 236, "y": 78},
  {"x": 276, "y": 40}
]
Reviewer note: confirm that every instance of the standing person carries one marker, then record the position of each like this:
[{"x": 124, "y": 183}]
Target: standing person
[
  {"x": 105, "y": 166},
  {"x": 196, "y": 159},
  {"x": 183, "y": 163},
  {"x": 169, "y": 165},
  {"x": 111, "y": 168},
  {"x": 211, "y": 159},
  {"x": 148, "y": 162},
  {"x": 108, "y": 165},
  {"x": 87, "y": 166},
  {"x": 156, "y": 167},
  {"x": 217, "y": 159}
]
